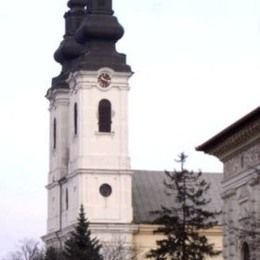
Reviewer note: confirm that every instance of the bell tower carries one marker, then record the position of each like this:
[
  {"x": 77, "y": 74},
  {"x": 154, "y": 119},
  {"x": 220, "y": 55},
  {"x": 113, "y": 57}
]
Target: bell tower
[{"x": 89, "y": 159}]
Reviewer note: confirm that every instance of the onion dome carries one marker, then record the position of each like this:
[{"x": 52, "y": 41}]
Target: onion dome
[
  {"x": 100, "y": 31},
  {"x": 69, "y": 48}
]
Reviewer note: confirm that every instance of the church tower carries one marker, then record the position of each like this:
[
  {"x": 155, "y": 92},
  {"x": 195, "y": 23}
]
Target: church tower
[{"x": 89, "y": 158}]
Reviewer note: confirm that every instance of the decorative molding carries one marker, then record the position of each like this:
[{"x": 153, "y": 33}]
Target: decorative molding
[
  {"x": 243, "y": 213},
  {"x": 249, "y": 134},
  {"x": 243, "y": 195},
  {"x": 109, "y": 228},
  {"x": 89, "y": 79},
  {"x": 251, "y": 159},
  {"x": 52, "y": 94},
  {"x": 99, "y": 172},
  {"x": 236, "y": 182},
  {"x": 228, "y": 193}
]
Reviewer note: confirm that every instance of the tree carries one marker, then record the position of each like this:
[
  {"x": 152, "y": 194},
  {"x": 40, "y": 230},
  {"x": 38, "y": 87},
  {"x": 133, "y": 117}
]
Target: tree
[
  {"x": 53, "y": 254},
  {"x": 80, "y": 245},
  {"x": 119, "y": 250},
  {"x": 28, "y": 250},
  {"x": 182, "y": 222}
]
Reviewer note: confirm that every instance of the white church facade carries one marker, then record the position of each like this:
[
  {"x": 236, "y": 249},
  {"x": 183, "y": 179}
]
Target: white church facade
[{"x": 89, "y": 157}]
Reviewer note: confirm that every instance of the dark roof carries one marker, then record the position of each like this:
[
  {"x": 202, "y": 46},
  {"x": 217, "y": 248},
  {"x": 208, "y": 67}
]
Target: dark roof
[
  {"x": 229, "y": 131},
  {"x": 149, "y": 194}
]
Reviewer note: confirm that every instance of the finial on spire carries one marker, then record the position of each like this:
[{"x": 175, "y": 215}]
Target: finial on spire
[
  {"x": 100, "y": 6},
  {"x": 77, "y": 3}
]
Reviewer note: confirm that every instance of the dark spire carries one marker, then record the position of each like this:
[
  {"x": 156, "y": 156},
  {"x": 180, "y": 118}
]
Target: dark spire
[
  {"x": 91, "y": 33},
  {"x": 69, "y": 48},
  {"x": 99, "y": 32}
]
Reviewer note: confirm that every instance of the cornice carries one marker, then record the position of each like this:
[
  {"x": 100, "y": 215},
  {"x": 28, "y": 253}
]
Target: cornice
[
  {"x": 150, "y": 228},
  {"x": 95, "y": 228},
  {"x": 235, "y": 137},
  {"x": 240, "y": 139},
  {"x": 250, "y": 177},
  {"x": 57, "y": 96},
  {"x": 90, "y": 172},
  {"x": 51, "y": 94},
  {"x": 89, "y": 79}
]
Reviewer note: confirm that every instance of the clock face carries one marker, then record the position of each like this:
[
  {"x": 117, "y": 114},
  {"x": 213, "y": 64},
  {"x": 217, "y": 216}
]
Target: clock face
[{"x": 104, "y": 80}]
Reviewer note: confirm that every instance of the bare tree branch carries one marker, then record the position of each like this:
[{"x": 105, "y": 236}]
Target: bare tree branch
[{"x": 28, "y": 249}]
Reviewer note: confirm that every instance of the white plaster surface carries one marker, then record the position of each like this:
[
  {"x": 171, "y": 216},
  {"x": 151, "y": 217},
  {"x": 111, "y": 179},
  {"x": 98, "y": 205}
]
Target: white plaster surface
[{"x": 81, "y": 163}]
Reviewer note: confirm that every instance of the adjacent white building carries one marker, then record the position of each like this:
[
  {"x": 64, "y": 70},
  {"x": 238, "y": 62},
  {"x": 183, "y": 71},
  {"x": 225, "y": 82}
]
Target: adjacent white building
[{"x": 238, "y": 147}]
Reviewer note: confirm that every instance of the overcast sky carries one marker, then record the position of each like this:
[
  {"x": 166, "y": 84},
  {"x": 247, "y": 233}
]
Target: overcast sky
[{"x": 197, "y": 70}]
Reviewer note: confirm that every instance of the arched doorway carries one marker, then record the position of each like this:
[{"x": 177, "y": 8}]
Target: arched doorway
[{"x": 245, "y": 252}]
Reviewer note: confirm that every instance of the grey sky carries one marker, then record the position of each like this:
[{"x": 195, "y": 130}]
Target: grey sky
[{"x": 197, "y": 70}]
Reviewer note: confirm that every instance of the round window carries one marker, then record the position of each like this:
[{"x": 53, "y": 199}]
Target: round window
[{"x": 105, "y": 190}]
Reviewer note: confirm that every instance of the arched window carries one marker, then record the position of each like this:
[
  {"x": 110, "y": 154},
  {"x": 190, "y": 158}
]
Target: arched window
[
  {"x": 54, "y": 133},
  {"x": 245, "y": 252},
  {"x": 104, "y": 116},
  {"x": 75, "y": 119}
]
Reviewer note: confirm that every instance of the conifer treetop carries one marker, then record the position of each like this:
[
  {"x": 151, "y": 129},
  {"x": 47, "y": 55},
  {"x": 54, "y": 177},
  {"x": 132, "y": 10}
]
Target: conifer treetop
[
  {"x": 80, "y": 245},
  {"x": 182, "y": 222}
]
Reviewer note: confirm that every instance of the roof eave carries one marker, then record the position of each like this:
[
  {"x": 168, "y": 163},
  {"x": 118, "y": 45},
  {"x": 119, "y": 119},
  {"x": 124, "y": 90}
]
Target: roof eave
[{"x": 218, "y": 139}]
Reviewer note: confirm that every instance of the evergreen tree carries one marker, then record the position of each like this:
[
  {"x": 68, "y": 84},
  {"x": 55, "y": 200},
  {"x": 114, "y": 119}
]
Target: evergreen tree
[
  {"x": 182, "y": 222},
  {"x": 52, "y": 254},
  {"x": 80, "y": 246}
]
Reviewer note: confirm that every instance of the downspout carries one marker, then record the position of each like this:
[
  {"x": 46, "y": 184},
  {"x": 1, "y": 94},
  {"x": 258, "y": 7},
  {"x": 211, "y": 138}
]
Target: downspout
[{"x": 60, "y": 182}]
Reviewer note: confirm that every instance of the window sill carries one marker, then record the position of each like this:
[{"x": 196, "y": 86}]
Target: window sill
[{"x": 112, "y": 133}]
